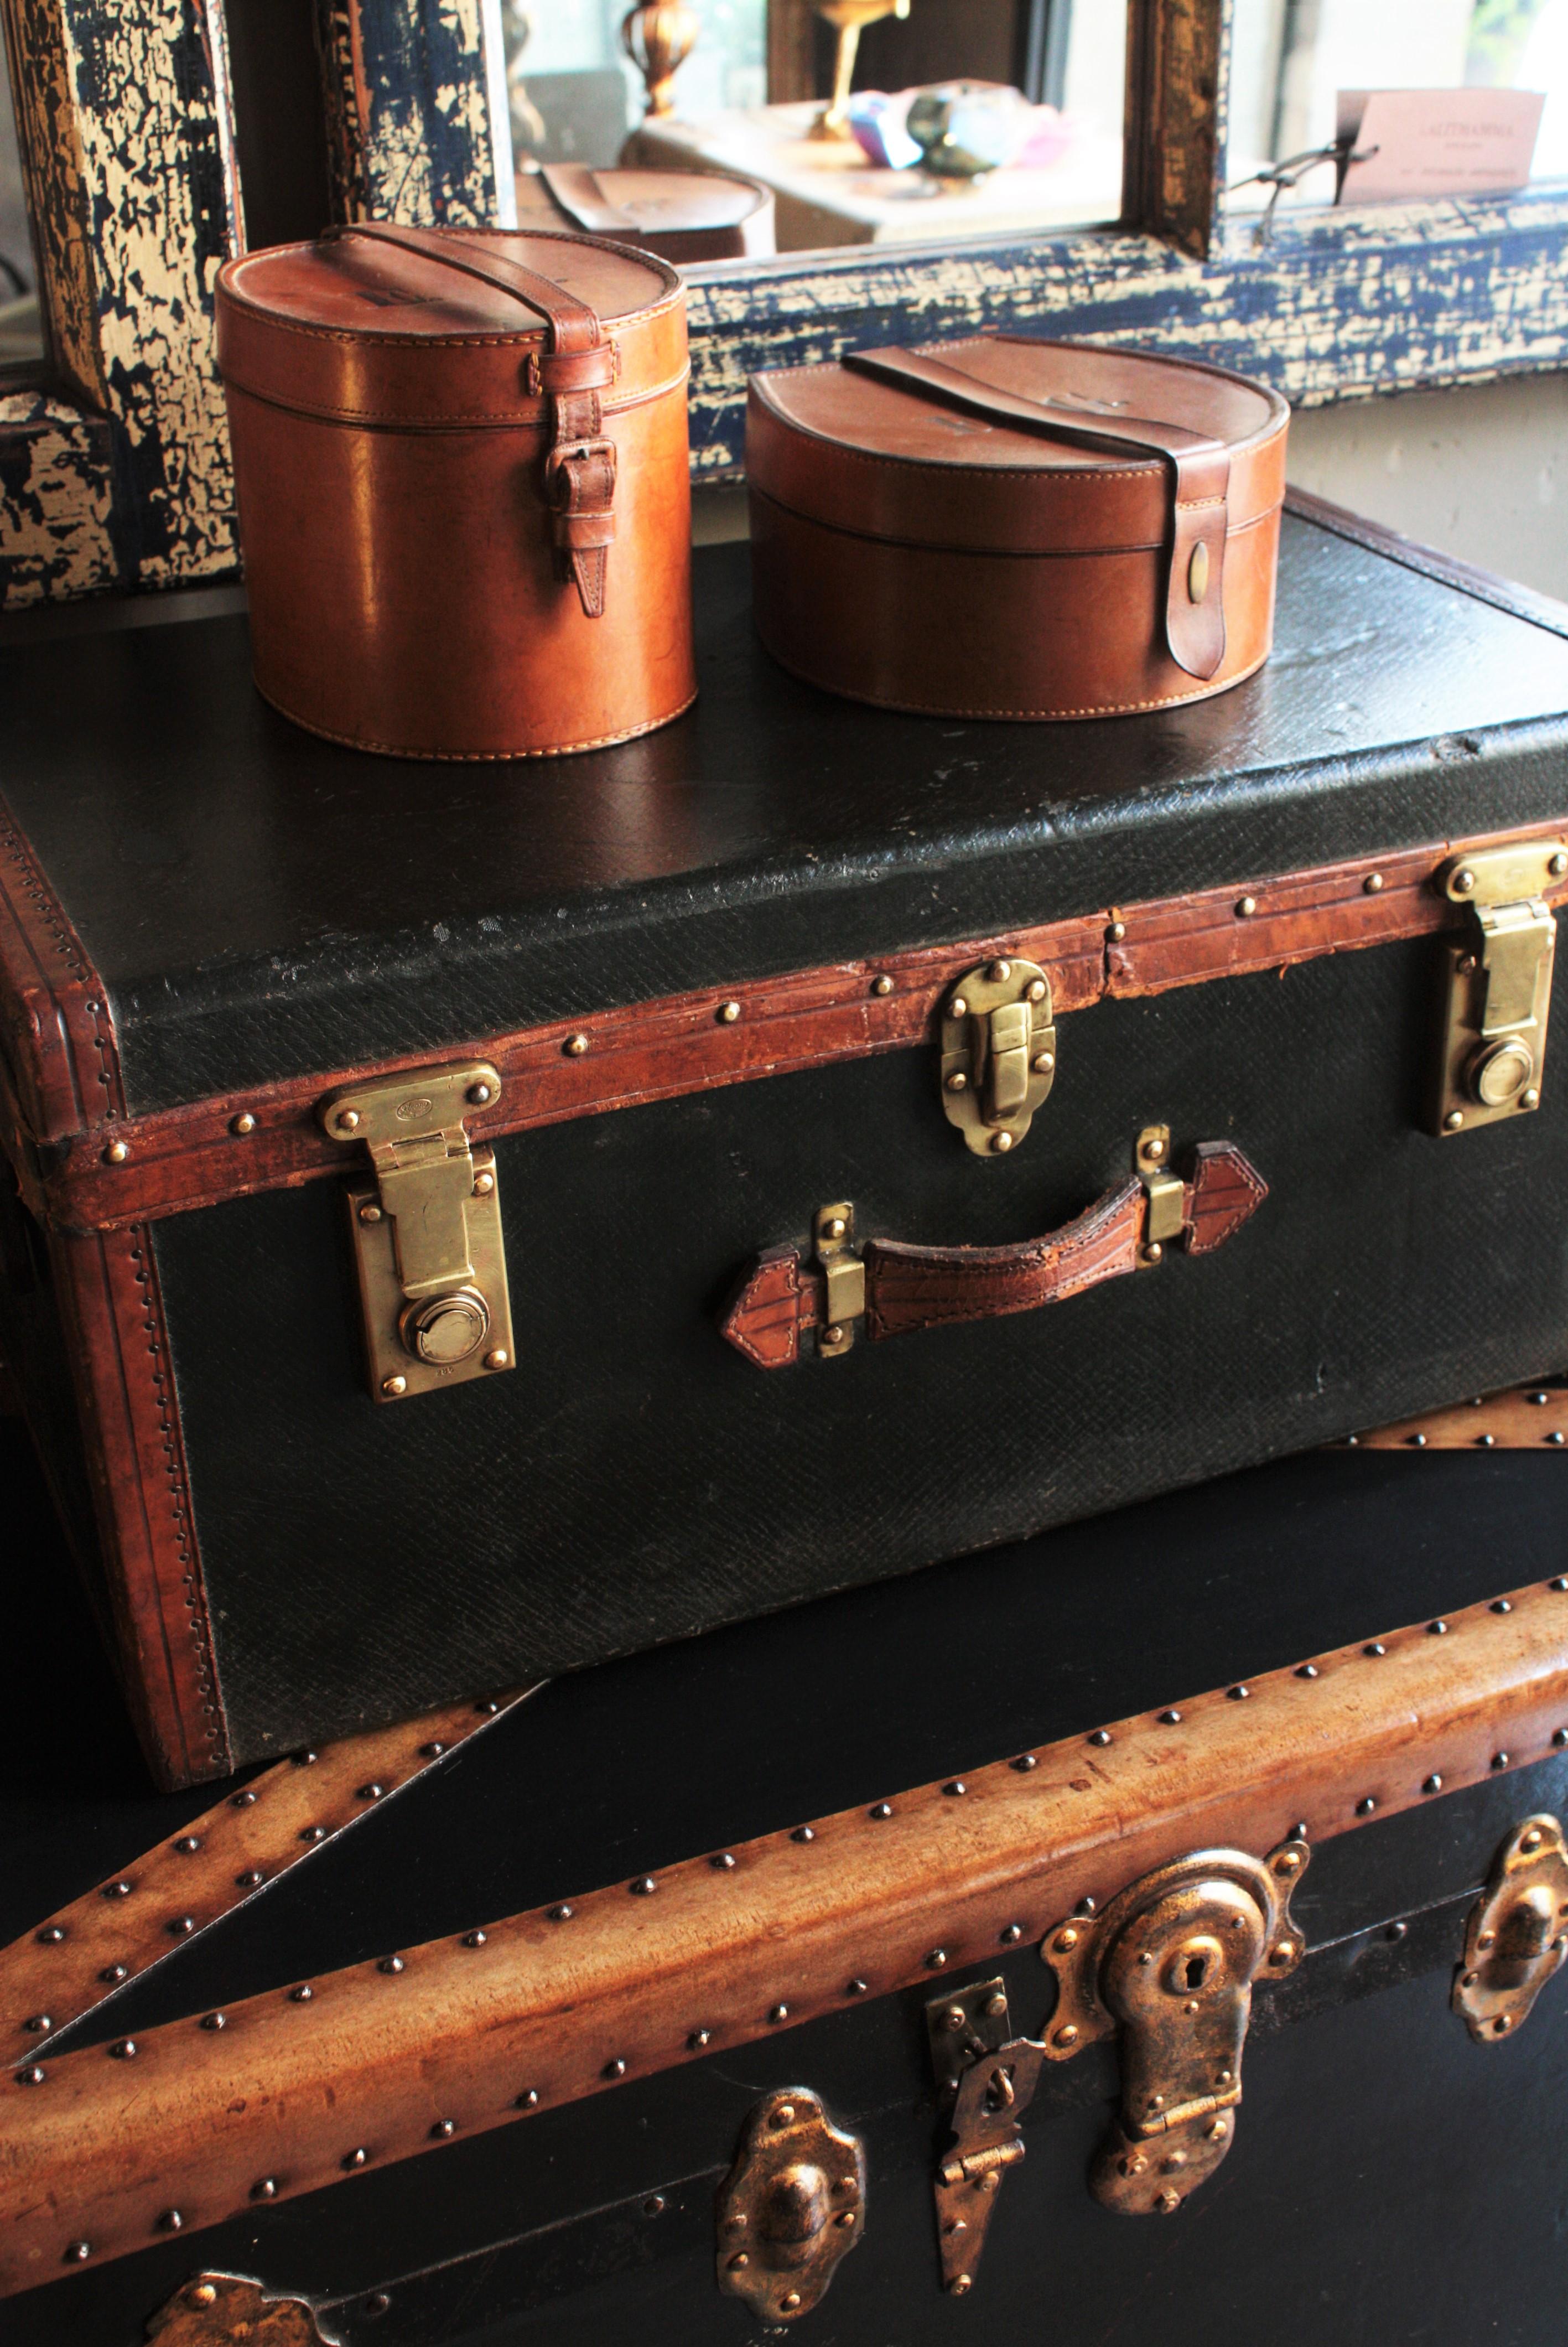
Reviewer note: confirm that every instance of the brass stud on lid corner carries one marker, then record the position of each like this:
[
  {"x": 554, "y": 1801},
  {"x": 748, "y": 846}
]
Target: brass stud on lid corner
[
  {"x": 728, "y": 1012},
  {"x": 243, "y": 1124},
  {"x": 116, "y": 1153}
]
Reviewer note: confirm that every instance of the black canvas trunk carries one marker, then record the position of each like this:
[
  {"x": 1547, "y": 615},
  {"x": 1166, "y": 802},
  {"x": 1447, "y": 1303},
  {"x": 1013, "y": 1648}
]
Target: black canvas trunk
[
  {"x": 1390, "y": 2178},
  {"x": 230, "y": 923}
]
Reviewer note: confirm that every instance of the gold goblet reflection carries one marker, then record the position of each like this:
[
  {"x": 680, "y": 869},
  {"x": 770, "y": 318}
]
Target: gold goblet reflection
[{"x": 850, "y": 17}]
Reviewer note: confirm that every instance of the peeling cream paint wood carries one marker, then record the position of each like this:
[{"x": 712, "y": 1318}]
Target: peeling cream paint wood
[
  {"x": 1337, "y": 306},
  {"x": 408, "y": 111},
  {"x": 54, "y": 500},
  {"x": 131, "y": 172}
]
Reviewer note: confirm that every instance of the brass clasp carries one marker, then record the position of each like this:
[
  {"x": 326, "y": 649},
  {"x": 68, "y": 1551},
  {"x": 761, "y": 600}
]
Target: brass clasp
[
  {"x": 1497, "y": 989},
  {"x": 987, "y": 2078},
  {"x": 998, "y": 1053},
  {"x": 790, "y": 2207},
  {"x": 426, "y": 1232},
  {"x": 1518, "y": 1933},
  {"x": 1170, "y": 1964}
]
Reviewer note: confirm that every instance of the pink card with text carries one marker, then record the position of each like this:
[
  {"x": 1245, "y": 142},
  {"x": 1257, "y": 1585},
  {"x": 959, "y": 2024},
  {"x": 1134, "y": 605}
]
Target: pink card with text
[{"x": 1438, "y": 142}]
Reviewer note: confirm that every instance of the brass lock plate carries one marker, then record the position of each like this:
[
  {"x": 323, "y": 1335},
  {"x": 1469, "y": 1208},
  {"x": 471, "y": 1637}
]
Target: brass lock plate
[
  {"x": 791, "y": 2206},
  {"x": 1170, "y": 1965},
  {"x": 219, "y": 2309},
  {"x": 997, "y": 1053},
  {"x": 1518, "y": 1933},
  {"x": 1497, "y": 985},
  {"x": 426, "y": 1225},
  {"x": 990, "y": 2077}
]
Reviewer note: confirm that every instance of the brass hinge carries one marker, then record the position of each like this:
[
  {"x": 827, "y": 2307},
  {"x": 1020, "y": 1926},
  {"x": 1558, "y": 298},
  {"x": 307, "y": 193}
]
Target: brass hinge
[
  {"x": 428, "y": 1238},
  {"x": 1518, "y": 1933},
  {"x": 220, "y": 2310},
  {"x": 998, "y": 1053},
  {"x": 987, "y": 2078},
  {"x": 1170, "y": 1963},
  {"x": 1497, "y": 989}
]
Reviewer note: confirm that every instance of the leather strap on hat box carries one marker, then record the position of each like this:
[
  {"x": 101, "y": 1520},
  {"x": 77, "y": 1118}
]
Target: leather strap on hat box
[
  {"x": 581, "y": 363},
  {"x": 85, "y": 1955},
  {"x": 1198, "y": 465}
]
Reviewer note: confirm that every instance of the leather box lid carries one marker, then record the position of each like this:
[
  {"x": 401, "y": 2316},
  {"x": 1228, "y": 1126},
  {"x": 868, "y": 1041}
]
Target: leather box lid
[
  {"x": 364, "y": 332},
  {"x": 848, "y": 450},
  {"x": 635, "y": 202}
]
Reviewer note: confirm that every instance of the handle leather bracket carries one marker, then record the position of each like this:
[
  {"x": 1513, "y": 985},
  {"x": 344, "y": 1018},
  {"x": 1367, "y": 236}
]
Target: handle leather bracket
[
  {"x": 578, "y": 361},
  {"x": 1197, "y": 464},
  {"x": 781, "y": 1294}
]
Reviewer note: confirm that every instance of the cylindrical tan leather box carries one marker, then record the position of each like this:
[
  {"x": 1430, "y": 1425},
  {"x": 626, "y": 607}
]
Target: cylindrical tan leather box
[
  {"x": 461, "y": 461},
  {"x": 1009, "y": 527}
]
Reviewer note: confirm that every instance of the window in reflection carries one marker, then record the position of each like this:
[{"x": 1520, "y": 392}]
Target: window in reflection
[
  {"x": 944, "y": 118},
  {"x": 21, "y": 333},
  {"x": 1291, "y": 59}
]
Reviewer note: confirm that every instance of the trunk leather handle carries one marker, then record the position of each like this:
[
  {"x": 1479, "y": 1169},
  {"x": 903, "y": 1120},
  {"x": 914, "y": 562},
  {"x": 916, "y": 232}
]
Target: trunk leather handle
[
  {"x": 1197, "y": 464},
  {"x": 782, "y": 1293},
  {"x": 580, "y": 362}
]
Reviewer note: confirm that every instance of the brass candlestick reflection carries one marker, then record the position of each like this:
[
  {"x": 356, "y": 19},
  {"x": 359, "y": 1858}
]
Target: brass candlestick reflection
[
  {"x": 659, "y": 37},
  {"x": 850, "y": 17}
]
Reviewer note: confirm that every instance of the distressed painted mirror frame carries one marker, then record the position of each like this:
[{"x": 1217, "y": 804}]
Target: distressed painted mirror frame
[{"x": 114, "y": 467}]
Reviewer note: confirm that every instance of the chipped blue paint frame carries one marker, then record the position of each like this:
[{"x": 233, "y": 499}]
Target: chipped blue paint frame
[{"x": 1335, "y": 305}]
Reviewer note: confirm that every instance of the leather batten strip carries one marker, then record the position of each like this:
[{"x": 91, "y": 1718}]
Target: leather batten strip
[
  {"x": 106, "y": 2155},
  {"x": 111, "y": 1312},
  {"x": 86, "y": 1954},
  {"x": 267, "y": 1137}
]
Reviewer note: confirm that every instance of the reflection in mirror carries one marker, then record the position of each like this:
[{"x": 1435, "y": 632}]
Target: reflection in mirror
[
  {"x": 931, "y": 119},
  {"x": 21, "y": 331},
  {"x": 1291, "y": 59}
]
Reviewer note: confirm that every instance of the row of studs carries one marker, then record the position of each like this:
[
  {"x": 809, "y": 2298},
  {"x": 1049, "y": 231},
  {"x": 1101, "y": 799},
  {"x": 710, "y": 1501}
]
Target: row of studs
[
  {"x": 187, "y": 1845},
  {"x": 700, "y": 2040}
]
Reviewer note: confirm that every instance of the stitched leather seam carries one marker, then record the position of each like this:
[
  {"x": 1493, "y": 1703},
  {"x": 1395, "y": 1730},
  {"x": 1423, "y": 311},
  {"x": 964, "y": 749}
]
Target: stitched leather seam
[
  {"x": 1008, "y": 553},
  {"x": 1103, "y": 708},
  {"x": 522, "y": 418},
  {"x": 353, "y": 339},
  {"x": 481, "y": 757}
]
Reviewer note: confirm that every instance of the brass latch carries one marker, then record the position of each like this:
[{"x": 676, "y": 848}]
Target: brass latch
[
  {"x": 1518, "y": 1933},
  {"x": 843, "y": 1277},
  {"x": 1171, "y": 1964},
  {"x": 998, "y": 1053},
  {"x": 221, "y": 2310},
  {"x": 988, "y": 2078},
  {"x": 1165, "y": 1191},
  {"x": 1498, "y": 988},
  {"x": 427, "y": 1238},
  {"x": 791, "y": 2206}
]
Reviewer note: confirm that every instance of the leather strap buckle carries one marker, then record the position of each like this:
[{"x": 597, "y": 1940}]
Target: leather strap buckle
[{"x": 580, "y": 485}]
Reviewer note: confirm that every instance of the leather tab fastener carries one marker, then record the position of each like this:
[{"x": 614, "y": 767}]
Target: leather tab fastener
[
  {"x": 780, "y": 1295},
  {"x": 581, "y": 480},
  {"x": 553, "y": 372},
  {"x": 1198, "y": 469}
]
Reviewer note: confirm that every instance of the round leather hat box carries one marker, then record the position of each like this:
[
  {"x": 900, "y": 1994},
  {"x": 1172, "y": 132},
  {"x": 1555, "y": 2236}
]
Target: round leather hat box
[
  {"x": 1009, "y": 528},
  {"x": 462, "y": 469}
]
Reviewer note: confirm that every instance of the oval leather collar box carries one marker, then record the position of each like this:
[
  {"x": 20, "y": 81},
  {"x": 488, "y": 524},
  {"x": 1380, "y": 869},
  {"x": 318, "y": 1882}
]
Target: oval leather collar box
[
  {"x": 461, "y": 462},
  {"x": 1009, "y": 527}
]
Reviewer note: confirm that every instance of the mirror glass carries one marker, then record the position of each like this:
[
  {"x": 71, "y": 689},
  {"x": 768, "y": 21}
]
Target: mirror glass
[
  {"x": 21, "y": 333},
  {"x": 1292, "y": 59},
  {"x": 867, "y": 121}
]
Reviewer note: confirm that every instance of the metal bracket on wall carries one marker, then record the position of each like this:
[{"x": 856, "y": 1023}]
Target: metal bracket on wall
[
  {"x": 998, "y": 1053},
  {"x": 1518, "y": 1933},
  {"x": 219, "y": 2309},
  {"x": 791, "y": 2206},
  {"x": 1497, "y": 986},
  {"x": 989, "y": 2077},
  {"x": 1170, "y": 1963},
  {"x": 428, "y": 1239}
]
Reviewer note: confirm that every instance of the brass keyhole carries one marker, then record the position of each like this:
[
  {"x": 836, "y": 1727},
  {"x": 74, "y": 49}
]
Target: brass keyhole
[{"x": 1193, "y": 1966}]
